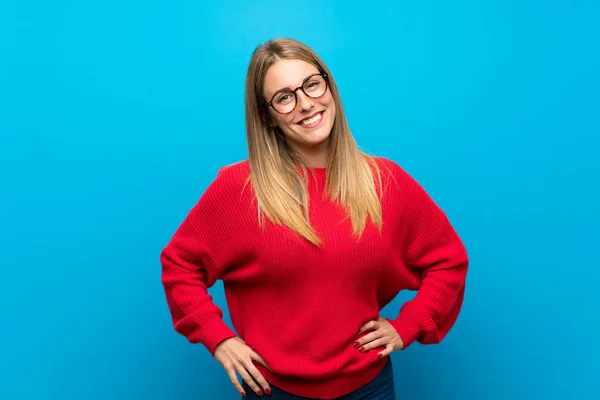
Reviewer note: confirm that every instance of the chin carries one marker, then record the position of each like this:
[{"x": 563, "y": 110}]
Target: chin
[{"x": 313, "y": 138}]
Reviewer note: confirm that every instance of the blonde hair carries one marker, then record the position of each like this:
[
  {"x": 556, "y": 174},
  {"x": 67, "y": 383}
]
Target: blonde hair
[{"x": 279, "y": 188}]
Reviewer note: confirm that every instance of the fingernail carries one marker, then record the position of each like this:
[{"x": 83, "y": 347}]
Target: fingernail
[
  {"x": 355, "y": 344},
  {"x": 268, "y": 391},
  {"x": 379, "y": 355},
  {"x": 362, "y": 348},
  {"x": 260, "y": 392},
  {"x": 244, "y": 394}
]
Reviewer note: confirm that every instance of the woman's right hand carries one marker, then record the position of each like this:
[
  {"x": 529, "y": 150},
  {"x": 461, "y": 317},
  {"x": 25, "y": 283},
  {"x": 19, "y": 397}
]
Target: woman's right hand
[{"x": 235, "y": 356}]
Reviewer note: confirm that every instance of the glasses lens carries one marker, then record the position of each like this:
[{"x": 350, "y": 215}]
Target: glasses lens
[
  {"x": 284, "y": 102},
  {"x": 315, "y": 86}
]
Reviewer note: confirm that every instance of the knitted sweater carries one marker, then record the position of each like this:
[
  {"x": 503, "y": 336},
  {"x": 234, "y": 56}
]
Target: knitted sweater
[{"x": 300, "y": 306}]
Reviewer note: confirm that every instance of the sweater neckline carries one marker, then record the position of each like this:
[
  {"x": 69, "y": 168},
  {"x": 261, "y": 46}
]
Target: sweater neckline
[{"x": 317, "y": 170}]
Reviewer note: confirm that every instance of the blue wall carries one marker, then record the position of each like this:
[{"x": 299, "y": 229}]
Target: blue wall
[{"x": 114, "y": 117}]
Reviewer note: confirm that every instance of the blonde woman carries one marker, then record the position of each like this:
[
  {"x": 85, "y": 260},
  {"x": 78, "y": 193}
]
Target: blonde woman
[{"x": 311, "y": 238}]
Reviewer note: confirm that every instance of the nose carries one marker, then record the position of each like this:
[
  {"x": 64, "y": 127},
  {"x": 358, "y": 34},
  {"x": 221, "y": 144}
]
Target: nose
[{"x": 304, "y": 102}]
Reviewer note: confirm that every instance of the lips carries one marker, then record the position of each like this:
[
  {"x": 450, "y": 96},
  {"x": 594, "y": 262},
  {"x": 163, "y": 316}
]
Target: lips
[{"x": 313, "y": 118}]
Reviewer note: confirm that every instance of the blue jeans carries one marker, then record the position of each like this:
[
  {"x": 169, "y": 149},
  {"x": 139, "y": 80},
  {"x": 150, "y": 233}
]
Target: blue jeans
[{"x": 380, "y": 388}]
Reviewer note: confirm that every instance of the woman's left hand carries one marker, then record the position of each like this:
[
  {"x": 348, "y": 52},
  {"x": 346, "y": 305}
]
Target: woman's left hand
[{"x": 383, "y": 334}]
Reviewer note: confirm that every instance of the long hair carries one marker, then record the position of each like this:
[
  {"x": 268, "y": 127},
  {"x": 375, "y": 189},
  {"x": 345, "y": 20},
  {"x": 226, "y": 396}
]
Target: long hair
[{"x": 279, "y": 187}]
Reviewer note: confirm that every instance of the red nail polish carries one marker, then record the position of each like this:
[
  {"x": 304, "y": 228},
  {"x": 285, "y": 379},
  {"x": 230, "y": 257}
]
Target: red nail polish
[
  {"x": 379, "y": 355},
  {"x": 355, "y": 344},
  {"x": 260, "y": 392},
  {"x": 268, "y": 391},
  {"x": 362, "y": 348},
  {"x": 244, "y": 394}
]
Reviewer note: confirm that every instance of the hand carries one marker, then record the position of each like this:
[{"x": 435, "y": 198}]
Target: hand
[
  {"x": 235, "y": 356},
  {"x": 383, "y": 334}
]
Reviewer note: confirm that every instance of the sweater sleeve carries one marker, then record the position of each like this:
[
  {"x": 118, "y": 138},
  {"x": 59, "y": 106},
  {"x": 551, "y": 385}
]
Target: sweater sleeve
[
  {"x": 190, "y": 266},
  {"x": 434, "y": 254}
]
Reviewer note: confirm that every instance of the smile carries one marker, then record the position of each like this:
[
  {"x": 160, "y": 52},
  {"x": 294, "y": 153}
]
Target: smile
[{"x": 312, "y": 121}]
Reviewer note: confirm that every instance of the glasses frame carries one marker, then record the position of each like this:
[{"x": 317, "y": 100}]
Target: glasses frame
[{"x": 301, "y": 87}]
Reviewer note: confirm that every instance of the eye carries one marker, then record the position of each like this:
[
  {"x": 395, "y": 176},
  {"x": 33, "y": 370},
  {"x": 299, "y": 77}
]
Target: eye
[
  {"x": 284, "y": 98},
  {"x": 314, "y": 86}
]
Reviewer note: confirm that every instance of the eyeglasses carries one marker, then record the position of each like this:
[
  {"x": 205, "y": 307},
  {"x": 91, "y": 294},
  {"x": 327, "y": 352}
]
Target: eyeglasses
[{"x": 284, "y": 101}]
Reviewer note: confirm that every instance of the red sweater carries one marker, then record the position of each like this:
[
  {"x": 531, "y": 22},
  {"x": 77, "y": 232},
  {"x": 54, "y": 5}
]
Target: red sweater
[{"x": 299, "y": 306}]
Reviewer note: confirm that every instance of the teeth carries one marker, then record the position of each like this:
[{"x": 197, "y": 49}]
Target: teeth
[{"x": 312, "y": 120}]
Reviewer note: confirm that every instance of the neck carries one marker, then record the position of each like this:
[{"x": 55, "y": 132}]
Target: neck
[{"x": 316, "y": 156}]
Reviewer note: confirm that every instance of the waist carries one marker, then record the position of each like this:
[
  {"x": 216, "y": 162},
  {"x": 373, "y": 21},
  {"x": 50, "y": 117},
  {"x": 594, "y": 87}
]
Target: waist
[{"x": 326, "y": 379}]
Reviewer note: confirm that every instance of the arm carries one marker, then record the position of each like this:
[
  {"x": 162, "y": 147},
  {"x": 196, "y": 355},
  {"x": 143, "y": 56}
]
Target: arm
[
  {"x": 190, "y": 266},
  {"x": 435, "y": 255},
  {"x": 198, "y": 254}
]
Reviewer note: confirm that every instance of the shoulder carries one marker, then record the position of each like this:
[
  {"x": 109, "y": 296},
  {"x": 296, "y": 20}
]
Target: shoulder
[
  {"x": 232, "y": 175},
  {"x": 219, "y": 211},
  {"x": 237, "y": 168},
  {"x": 400, "y": 184},
  {"x": 408, "y": 192},
  {"x": 392, "y": 171},
  {"x": 228, "y": 184}
]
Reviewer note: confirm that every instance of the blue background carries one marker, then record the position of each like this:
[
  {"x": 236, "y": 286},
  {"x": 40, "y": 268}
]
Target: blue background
[{"x": 115, "y": 116}]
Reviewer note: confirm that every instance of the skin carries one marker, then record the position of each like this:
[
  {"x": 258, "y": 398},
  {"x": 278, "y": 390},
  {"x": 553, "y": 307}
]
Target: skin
[
  {"x": 384, "y": 334},
  {"x": 312, "y": 143},
  {"x": 235, "y": 356}
]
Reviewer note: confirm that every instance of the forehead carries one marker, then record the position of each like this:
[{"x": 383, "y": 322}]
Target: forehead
[{"x": 287, "y": 73}]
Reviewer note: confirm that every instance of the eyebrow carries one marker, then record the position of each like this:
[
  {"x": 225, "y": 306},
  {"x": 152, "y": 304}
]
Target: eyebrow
[{"x": 290, "y": 89}]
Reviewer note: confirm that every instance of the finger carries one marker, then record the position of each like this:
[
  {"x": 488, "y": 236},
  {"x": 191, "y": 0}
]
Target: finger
[
  {"x": 388, "y": 350},
  {"x": 241, "y": 369},
  {"x": 366, "y": 339},
  {"x": 255, "y": 356},
  {"x": 235, "y": 381},
  {"x": 367, "y": 326},
  {"x": 255, "y": 373},
  {"x": 373, "y": 344}
]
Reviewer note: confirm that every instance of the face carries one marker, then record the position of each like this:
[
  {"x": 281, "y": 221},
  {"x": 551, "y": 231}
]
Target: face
[{"x": 309, "y": 125}]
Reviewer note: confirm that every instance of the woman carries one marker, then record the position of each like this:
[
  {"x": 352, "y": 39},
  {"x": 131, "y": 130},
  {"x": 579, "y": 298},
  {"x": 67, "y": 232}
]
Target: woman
[{"x": 311, "y": 238}]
